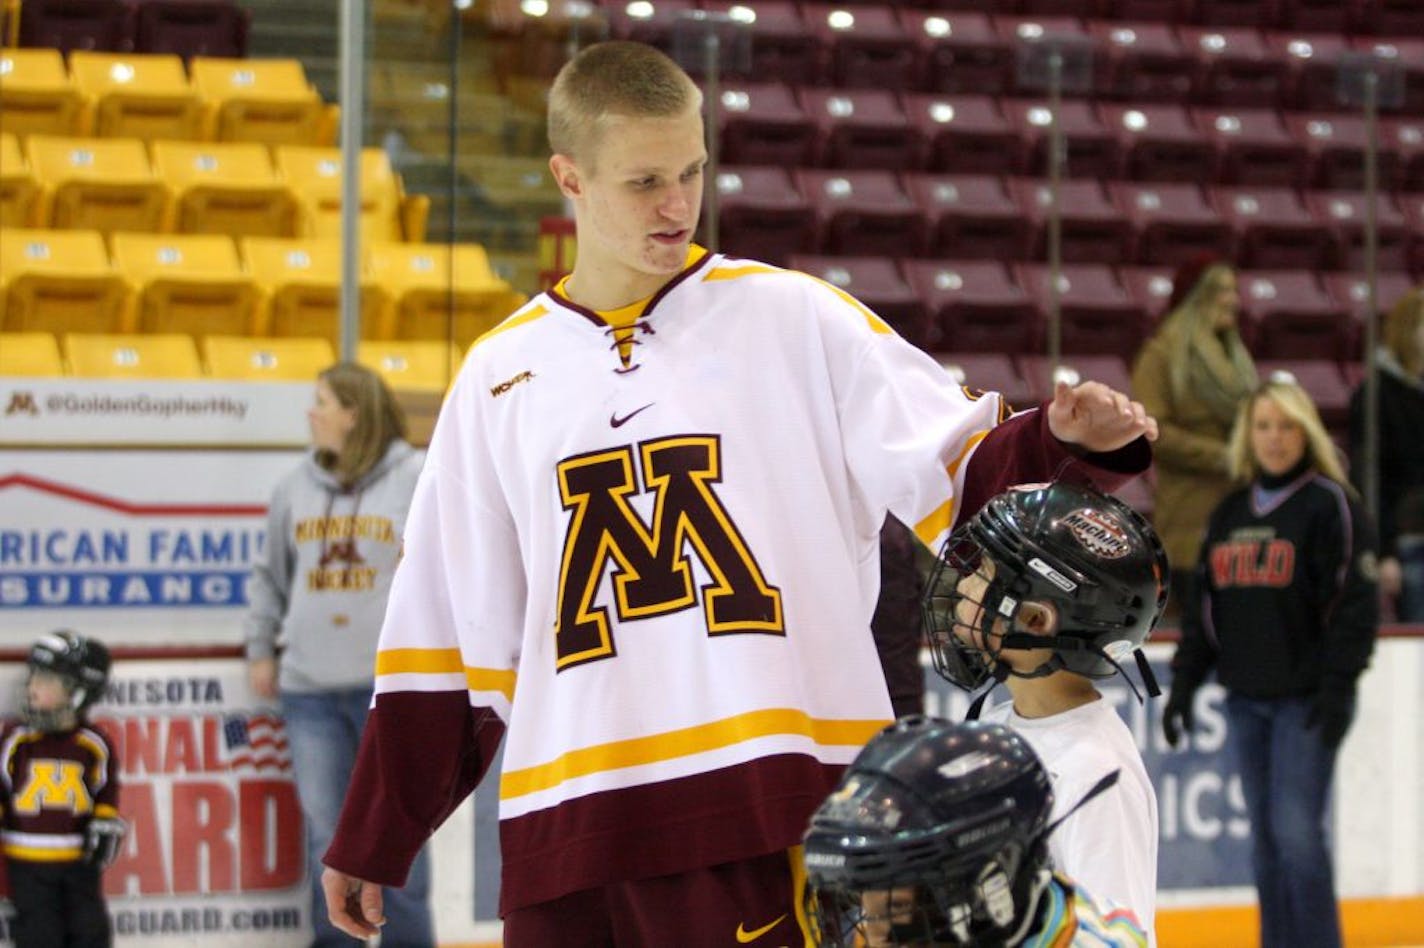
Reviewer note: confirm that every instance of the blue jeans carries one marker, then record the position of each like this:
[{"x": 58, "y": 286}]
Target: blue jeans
[
  {"x": 1286, "y": 771},
  {"x": 323, "y": 732}
]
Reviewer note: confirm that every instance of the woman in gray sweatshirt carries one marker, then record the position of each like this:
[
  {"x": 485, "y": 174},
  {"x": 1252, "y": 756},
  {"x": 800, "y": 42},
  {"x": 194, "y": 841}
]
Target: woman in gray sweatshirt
[{"x": 317, "y": 597}]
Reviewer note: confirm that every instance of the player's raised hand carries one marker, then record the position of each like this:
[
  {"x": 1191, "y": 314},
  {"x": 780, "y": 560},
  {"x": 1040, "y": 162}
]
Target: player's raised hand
[
  {"x": 353, "y": 905},
  {"x": 1096, "y": 417}
]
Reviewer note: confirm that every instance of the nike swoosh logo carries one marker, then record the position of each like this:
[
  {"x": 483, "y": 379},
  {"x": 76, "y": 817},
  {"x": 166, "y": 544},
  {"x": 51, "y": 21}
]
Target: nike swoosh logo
[
  {"x": 745, "y": 937},
  {"x": 616, "y": 422}
]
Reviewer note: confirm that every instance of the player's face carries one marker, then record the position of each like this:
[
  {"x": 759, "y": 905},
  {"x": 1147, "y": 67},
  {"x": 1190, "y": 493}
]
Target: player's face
[
  {"x": 969, "y": 609},
  {"x": 881, "y": 909},
  {"x": 46, "y": 691},
  {"x": 1277, "y": 442},
  {"x": 330, "y": 421},
  {"x": 639, "y": 196}
]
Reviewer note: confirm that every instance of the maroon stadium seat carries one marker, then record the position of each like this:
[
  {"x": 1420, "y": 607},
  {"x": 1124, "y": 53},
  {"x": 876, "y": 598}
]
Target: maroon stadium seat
[
  {"x": 1166, "y": 11},
  {"x": 650, "y": 23},
  {"x": 1092, "y": 147},
  {"x": 863, "y": 212},
  {"x": 66, "y": 25},
  {"x": 1408, "y": 50},
  {"x": 1413, "y": 207},
  {"x": 1322, "y": 379},
  {"x": 862, "y": 128},
  {"x": 1093, "y": 229},
  {"x": 1395, "y": 18},
  {"x": 1290, "y": 316},
  {"x": 1273, "y": 227},
  {"x": 1151, "y": 287},
  {"x": 1096, "y": 314},
  {"x": 1108, "y": 369},
  {"x": 1172, "y": 223},
  {"x": 975, "y": 306},
  {"x": 764, "y": 123},
  {"x": 1342, "y": 214},
  {"x": 1143, "y": 62},
  {"x": 1405, "y": 137},
  {"x": 866, "y": 44},
  {"x": 1352, "y": 292},
  {"x": 1160, "y": 142},
  {"x": 1253, "y": 147},
  {"x": 972, "y": 217},
  {"x": 192, "y": 28},
  {"x": 1250, "y": 13},
  {"x": 1336, "y": 145},
  {"x": 965, "y": 134},
  {"x": 959, "y": 51},
  {"x": 876, "y": 282},
  {"x": 782, "y": 48},
  {"x": 1237, "y": 67},
  {"x": 762, "y": 215},
  {"x": 1321, "y": 16},
  {"x": 1312, "y": 60},
  {"x": 989, "y": 372}
]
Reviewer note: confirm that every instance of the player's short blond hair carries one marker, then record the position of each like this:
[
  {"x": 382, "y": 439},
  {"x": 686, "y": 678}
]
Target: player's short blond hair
[
  {"x": 1296, "y": 403},
  {"x": 613, "y": 78}
]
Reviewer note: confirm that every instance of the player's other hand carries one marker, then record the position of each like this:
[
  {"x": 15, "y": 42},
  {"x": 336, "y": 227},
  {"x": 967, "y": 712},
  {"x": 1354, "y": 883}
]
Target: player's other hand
[
  {"x": 353, "y": 905},
  {"x": 1096, "y": 417}
]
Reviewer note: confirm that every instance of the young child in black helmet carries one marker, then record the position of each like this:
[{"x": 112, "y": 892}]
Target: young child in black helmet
[
  {"x": 938, "y": 835},
  {"x": 1046, "y": 588},
  {"x": 60, "y": 826}
]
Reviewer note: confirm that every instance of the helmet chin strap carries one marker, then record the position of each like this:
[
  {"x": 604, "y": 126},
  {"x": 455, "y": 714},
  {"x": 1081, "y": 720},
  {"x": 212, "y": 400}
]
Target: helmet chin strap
[{"x": 1018, "y": 639}]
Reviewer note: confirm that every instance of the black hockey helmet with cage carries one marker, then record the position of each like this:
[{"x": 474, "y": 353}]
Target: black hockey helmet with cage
[
  {"x": 950, "y": 818},
  {"x": 81, "y": 662},
  {"x": 1093, "y": 558}
]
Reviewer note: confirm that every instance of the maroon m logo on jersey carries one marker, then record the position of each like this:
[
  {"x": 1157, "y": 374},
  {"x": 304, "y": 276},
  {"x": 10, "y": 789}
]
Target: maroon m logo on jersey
[{"x": 652, "y": 574}]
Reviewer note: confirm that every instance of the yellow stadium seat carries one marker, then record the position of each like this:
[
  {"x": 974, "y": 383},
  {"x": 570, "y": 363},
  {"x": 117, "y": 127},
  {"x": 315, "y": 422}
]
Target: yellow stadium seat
[
  {"x": 36, "y": 94},
  {"x": 30, "y": 354},
  {"x": 162, "y": 356},
  {"x": 136, "y": 95},
  {"x": 387, "y": 213},
  {"x": 61, "y": 281},
  {"x": 225, "y": 188},
  {"x": 266, "y": 360},
  {"x": 188, "y": 283},
  {"x": 260, "y": 100},
  {"x": 103, "y": 184},
  {"x": 439, "y": 291},
  {"x": 19, "y": 191},
  {"x": 425, "y": 364},
  {"x": 301, "y": 284}
]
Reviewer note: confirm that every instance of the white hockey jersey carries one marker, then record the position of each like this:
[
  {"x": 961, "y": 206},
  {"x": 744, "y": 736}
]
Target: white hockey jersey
[{"x": 659, "y": 573}]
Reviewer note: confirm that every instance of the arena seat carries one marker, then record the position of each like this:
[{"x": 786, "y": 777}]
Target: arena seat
[
  {"x": 876, "y": 282},
  {"x": 1322, "y": 379},
  {"x": 862, "y": 128},
  {"x": 67, "y": 25},
  {"x": 419, "y": 364},
  {"x": 192, "y": 27},
  {"x": 1093, "y": 229},
  {"x": 971, "y": 217},
  {"x": 762, "y": 215},
  {"x": 1096, "y": 314},
  {"x": 651, "y": 23},
  {"x": 975, "y": 306},
  {"x": 1142, "y": 62},
  {"x": 264, "y": 359},
  {"x": 782, "y": 46},
  {"x": 188, "y": 283},
  {"x": 989, "y": 372},
  {"x": 1092, "y": 149},
  {"x": 1318, "y": 16},
  {"x": 315, "y": 176},
  {"x": 1351, "y": 292},
  {"x": 260, "y": 100},
  {"x": 1336, "y": 145},
  {"x": 30, "y": 354},
  {"x": 437, "y": 289},
  {"x": 1160, "y": 143},
  {"x": 158, "y": 356},
  {"x": 1412, "y": 205},
  {"x": 102, "y": 184},
  {"x": 133, "y": 95},
  {"x": 1037, "y": 371},
  {"x": 1405, "y": 137},
  {"x": 1342, "y": 214},
  {"x": 1237, "y": 69},
  {"x": 1249, "y": 13},
  {"x": 61, "y": 281},
  {"x": 1292, "y": 317},
  {"x": 514, "y": 183},
  {"x": 1172, "y": 223},
  {"x": 965, "y": 134},
  {"x": 300, "y": 283},
  {"x": 225, "y": 188},
  {"x": 865, "y": 212},
  {"x": 1167, "y": 11},
  {"x": 1312, "y": 62},
  {"x": 1253, "y": 147},
  {"x": 1273, "y": 227},
  {"x": 1150, "y": 287},
  {"x": 1407, "y": 49},
  {"x": 1393, "y": 18},
  {"x": 960, "y": 51},
  {"x": 19, "y": 191},
  {"x": 866, "y": 45},
  {"x": 36, "y": 94},
  {"x": 763, "y": 123}
]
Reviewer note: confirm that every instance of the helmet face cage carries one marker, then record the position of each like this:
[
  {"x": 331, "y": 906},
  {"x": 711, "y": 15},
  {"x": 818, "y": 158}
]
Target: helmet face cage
[{"x": 81, "y": 663}]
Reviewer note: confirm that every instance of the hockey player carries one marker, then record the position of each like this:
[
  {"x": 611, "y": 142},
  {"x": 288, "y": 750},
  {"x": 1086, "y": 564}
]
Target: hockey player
[
  {"x": 645, "y": 539},
  {"x": 1047, "y": 588},
  {"x": 938, "y": 834},
  {"x": 59, "y": 791}
]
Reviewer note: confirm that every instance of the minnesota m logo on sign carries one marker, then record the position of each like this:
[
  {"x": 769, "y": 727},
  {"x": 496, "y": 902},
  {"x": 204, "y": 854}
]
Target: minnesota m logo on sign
[
  {"x": 652, "y": 573},
  {"x": 21, "y": 402}
]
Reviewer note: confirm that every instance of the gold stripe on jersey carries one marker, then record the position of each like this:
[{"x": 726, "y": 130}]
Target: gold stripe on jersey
[
  {"x": 33, "y": 854},
  {"x": 685, "y": 742},
  {"x": 519, "y": 318},
  {"x": 734, "y": 271},
  {"x": 444, "y": 661},
  {"x": 943, "y": 516},
  {"x": 797, "y": 856}
]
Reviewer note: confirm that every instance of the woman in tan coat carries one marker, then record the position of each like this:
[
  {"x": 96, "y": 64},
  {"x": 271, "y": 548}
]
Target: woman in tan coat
[{"x": 1191, "y": 375}]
